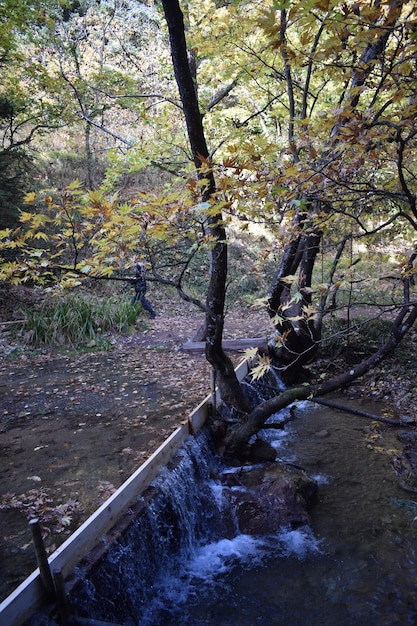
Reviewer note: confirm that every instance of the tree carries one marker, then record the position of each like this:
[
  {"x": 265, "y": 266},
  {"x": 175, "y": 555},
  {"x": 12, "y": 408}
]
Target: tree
[
  {"x": 315, "y": 102},
  {"x": 298, "y": 325},
  {"x": 96, "y": 52},
  {"x": 378, "y": 48},
  {"x": 223, "y": 366},
  {"x": 21, "y": 119}
]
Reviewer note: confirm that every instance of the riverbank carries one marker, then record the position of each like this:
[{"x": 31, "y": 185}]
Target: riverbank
[{"x": 75, "y": 426}]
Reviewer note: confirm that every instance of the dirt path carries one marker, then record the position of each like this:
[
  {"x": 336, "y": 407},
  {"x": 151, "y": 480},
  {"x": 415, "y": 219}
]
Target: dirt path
[{"x": 73, "y": 429}]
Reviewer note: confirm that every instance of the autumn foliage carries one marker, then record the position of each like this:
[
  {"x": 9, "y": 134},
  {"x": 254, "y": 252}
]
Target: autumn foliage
[{"x": 292, "y": 122}]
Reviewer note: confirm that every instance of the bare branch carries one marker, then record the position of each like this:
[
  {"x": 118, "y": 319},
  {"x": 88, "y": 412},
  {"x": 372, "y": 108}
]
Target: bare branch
[{"x": 221, "y": 95}]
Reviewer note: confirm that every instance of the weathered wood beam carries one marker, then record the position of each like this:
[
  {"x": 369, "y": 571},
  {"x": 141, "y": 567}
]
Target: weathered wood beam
[{"x": 228, "y": 344}]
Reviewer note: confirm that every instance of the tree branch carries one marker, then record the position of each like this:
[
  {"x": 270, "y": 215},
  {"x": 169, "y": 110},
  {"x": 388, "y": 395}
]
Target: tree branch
[
  {"x": 239, "y": 434},
  {"x": 221, "y": 95}
]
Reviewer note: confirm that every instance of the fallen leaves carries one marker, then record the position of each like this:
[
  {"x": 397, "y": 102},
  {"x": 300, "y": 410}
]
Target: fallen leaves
[{"x": 121, "y": 405}]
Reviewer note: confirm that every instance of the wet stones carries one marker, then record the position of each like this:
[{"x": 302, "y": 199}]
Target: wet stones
[
  {"x": 265, "y": 498},
  {"x": 260, "y": 451},
  {"x": 407, "y": 436},
  {"x": 405, "y": 463}
]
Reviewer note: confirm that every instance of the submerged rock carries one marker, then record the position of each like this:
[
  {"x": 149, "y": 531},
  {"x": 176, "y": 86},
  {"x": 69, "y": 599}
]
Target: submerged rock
[
  {"x": 405, "y": 464},
  {"x": 269, "y": 497},
  {"x": 407, "y": 436},
  {"x": 260, "y": 451}
]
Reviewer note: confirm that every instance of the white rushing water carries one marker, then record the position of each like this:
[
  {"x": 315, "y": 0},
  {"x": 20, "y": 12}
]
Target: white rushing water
[{"x": 180, "y": 564}]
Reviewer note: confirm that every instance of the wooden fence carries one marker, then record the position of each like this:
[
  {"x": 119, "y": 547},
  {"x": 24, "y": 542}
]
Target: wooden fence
[{"x": 30, "y": 595}]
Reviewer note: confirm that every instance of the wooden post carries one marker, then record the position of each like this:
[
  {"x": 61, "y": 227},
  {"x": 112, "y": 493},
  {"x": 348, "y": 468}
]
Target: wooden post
[
  {"x": 42, "y": 559},
  {"x": 61, "y": 598}
]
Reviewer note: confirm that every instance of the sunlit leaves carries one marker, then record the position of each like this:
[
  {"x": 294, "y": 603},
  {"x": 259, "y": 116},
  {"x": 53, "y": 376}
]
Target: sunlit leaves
[
  {"x": 309, "y": 312},
  {"x": 263, "y": 366},
  {"x": 251, "y": 353},
  {"x": 92, "y": 233},
  {"x": 342, "y": 156}
]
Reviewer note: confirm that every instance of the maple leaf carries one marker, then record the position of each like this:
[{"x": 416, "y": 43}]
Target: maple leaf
[
  {"x": 288, "y": 280},
  {"x": 250, "y": 353},
  {"x": 264, "y": 365},
  {"x": 309, "y": 311},
  {"x": 29, "y": 199}
]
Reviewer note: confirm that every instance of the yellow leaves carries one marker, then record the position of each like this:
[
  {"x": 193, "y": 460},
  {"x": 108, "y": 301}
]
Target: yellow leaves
[
  {"x": 106, "y": 271},
  {"x": 29, "y": 199},
  {"x": 269, "y": 23},
  {"x": 40, "y": 236},
  {"x": 75, "y": 185},
  {"x": 289, "y": 279},
  {"x": 69, "y": 281},
  {"x": 323, "y": 5},
  {"x": 5, "y": 233},
  {"x": 291, "y": 171},
  {"x": 309, "y": 312},
  {"x": 279, "y": 339},
  {"x": 264, "y": 365},
  {"x": 25, "y": 217},
  {"x": 251, "y": 353},
  {"x": 370, "y": 13},
  {"x": 277, "y": 319}
]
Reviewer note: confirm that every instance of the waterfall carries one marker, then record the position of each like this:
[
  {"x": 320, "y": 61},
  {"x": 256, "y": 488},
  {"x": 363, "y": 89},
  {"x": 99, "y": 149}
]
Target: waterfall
[
  {"x": 177, "y": 548},
  {"x": 183, "y": 513},
  {"x": 182, "y": 543}
]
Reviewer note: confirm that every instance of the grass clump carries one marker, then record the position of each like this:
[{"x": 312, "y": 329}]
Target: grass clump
[{"x": 76, "y": 321}]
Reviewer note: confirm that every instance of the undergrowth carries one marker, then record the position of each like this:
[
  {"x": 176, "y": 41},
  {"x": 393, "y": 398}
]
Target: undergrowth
[{"x": 76, "y": 321}]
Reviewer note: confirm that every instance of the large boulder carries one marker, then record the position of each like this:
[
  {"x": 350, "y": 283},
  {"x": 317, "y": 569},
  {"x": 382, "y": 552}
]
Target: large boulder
[{"x": 265, "y": 498}]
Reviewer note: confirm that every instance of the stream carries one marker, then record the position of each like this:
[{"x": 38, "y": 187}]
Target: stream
[
  {"x": 358, "y": 567},
  {"x": 355, "y": 564}
]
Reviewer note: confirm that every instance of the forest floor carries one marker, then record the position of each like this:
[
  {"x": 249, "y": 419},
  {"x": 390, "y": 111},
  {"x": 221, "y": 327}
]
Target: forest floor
[{"x": 75, "y": 426}]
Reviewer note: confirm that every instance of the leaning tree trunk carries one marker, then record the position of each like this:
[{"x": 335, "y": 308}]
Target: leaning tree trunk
[{"x": 229, "y": 386}]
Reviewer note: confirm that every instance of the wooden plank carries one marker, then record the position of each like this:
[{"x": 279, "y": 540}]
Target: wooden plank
[
  {"x": 24, "y": 600},
  {"x": 199, "y": 415},
  {"x": 242, "y": 369},
  {"x": 19, "y": 605},
  {"x": 82, "y": 540},
  {"x": 228, "y": 344},
  {"x": 10, "y": 323}
]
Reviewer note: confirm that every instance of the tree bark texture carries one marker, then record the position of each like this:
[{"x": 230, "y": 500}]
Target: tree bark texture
[
  {"x": 300, "y": 333},
  {"x": 229, "y": 386}
]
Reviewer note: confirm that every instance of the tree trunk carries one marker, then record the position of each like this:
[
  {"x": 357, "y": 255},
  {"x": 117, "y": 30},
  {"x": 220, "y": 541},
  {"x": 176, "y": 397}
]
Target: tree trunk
[
  {"x": 239, "y": 434},
  {"x": 298, "y": 332},
  {"x": 229, "y": 386}
]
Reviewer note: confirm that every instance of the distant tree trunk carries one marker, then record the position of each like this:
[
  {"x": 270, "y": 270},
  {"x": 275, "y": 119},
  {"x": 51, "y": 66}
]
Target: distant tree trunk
[
  {"x": 298, "y": 331},
  {"x": 229, "y": 386},
  {"x": 89, "y": 178}
]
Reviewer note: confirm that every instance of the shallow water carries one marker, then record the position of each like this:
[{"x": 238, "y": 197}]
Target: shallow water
[
  {"x": 363, "y": 570},
  {"x": 355, "y": 564}
]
